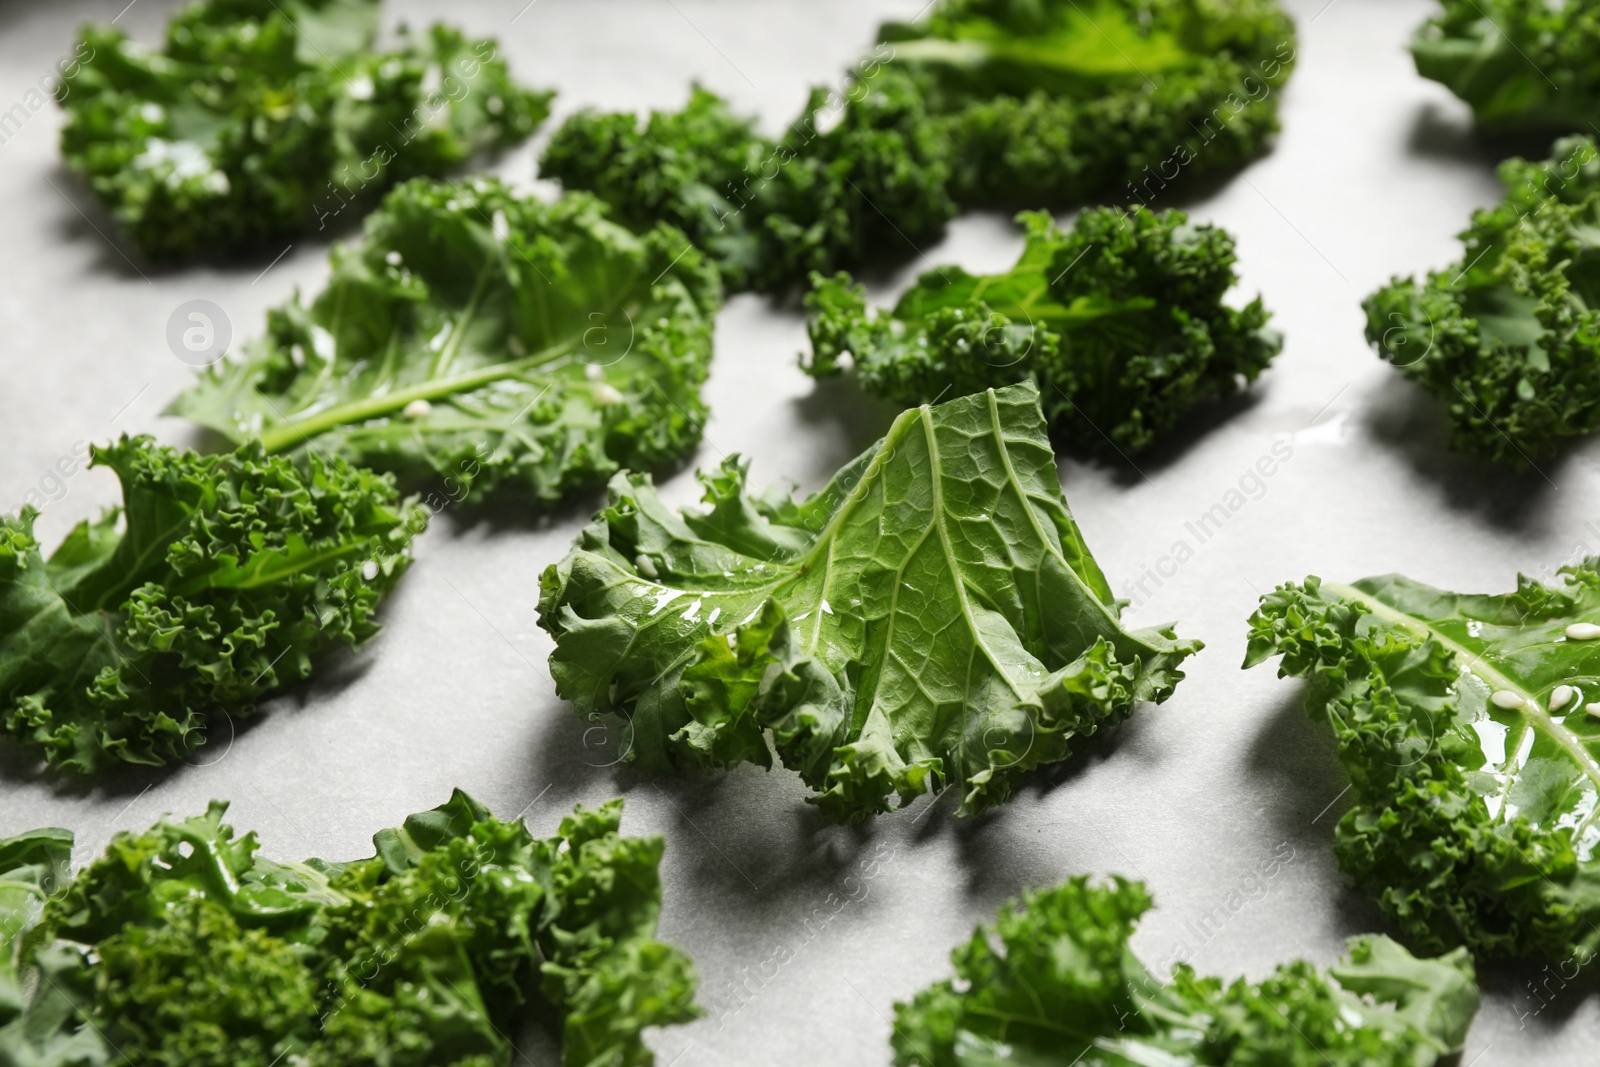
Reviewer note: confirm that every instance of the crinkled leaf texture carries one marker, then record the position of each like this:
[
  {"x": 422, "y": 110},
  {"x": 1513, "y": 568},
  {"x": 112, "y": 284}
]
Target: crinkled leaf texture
[
  {"x": 260, "y": 119},
  {"x": 1120, "y": 319},
  {"x": 1462, "y": 721},
  {"x": 219, "y": 580},
  {"x": 478, "y": 338},
  {"x": 1054, "y": 982},
  {"x": 1522, "y": 65},
  {"x": 1049, "y": 103},
  {"x": 40, "y": 984},
  {"x": 1508, "y": 338},
  {"x": 854, "y": 174},
  {"x": 986, "y": 102},
  {"x": 187, "y": 949},
  {"x": 931, "y": 618}
]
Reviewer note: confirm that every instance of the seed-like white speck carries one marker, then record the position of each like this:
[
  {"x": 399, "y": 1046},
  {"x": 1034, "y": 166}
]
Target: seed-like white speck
[
  {"x": 417, "y": 409},
  {"x": 1583, "y": 631},
  {"x": 393, "y": 258},
  {"x": 1505, "y": 698},
  {"x": 369, "y": 570},
  {"x": 1560, "y": 696},
  {"x": 606, "y": 393},
  {"x": 1593, "y": 709}
]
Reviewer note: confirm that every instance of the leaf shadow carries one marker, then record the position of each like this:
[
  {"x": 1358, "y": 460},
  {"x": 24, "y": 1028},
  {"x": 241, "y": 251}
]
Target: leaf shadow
[
  {"x": 1407, "y": 419},
  {"x": 1172, "y": 447},
  {"x": 851, "y": 418},
  {"x": 1450, "y": 136}
]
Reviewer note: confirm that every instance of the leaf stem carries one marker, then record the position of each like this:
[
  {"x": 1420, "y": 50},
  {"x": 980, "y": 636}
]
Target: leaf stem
[
  {"x": 1495, "y": 679},
  {"x": 292, "y": 432}
]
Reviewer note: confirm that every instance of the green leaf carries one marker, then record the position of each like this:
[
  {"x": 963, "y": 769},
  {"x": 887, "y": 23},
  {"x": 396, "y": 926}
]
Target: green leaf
[
  {"x": 39, "y": 985},
  {"x": 259, "y": 119},
  {"x": 193, "y": 951},
  {"x": 478, "y": 338},
  {"x": 1050, "y": 103},
  {"x": 853, "y": 173},
  {"x": 1506, "y": 339},
  {"x": 1054, "y": 982},
  {"x": 1522, "y": 65},
  {"x": 220, "y": 580},
  {"x": 1464, "y": 724},
  {"x": 931, "y": 618},
  {"x": 1120, "y": 320}
]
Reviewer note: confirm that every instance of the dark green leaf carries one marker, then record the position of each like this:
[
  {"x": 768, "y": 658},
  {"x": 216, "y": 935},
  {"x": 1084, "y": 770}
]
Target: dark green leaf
[
  {"x": 218, "y": 582},
  {"x": 1466, "y": 727},
  {"x": 930, "y": 618},
  {"x": 479, "y": 338},
  {"x": 261, "y": 119},
  {"x": 1054, "y": 983},
  {"x": 1120, "y": 320},
  {"x": 1507, "y": 338}
]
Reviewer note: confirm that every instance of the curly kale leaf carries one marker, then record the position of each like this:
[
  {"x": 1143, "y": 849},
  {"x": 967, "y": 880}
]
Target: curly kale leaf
[
  {"x": 260, "y": 119},
  {"x": 1522, "y": 65},
  {"x": 479, "y": 339},
  {"x": 1468, "y": 727},
  {"x": 1120, "y": 319},
  {"x": 930, "y": 618},
  {"x": 198, "y": 952},
  {"x": 855, "y": 173},
  {"x": 1507, "y": 339},
  {"x": 1049, "y": 103},
  {"x": 219, "y": 580},
  {"x": 1054, "y": 982},
  {"x": 40, "y": 984}
]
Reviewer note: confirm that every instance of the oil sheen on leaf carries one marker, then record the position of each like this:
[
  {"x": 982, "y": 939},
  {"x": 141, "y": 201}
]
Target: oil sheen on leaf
[
  {"x": 931, "y": 618},
  {"x": 1464, "y": 723},
  {"x": 477, "y": 339}
]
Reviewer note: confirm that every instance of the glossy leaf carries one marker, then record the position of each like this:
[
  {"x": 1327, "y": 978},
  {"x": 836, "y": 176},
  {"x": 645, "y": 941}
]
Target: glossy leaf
[
  {"x": 478, "y": 338},
  {"x": 1463, "y": 723},
  {"x": 932, "y": 618}
]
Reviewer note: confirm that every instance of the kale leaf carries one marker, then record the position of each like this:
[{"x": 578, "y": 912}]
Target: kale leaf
[
  {"x": 1054, "y": 982},
  {"x": 1120, "y": 319},
  {"x": 190, "y": 950},
  {"x": 1051, "y": 103},
  {"x": 987, "y": 102},
  {"x": 769, "y": 211},
  {"x": 482, "y": 338},
  {"x": 932, "y": 617},
  {"x": 1507, "y": 339},
  {"x": 218, "y": 581},
  {"x": 1468, "y": 726},
  {"x": 260, "y": 119},
  {"x": 40, "y": 984},
  {"x": 1522, "y": 65}
]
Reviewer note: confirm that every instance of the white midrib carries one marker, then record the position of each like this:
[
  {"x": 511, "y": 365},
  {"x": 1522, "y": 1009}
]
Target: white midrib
[
  {"x": 1533, "y": 715},
  {"x": 822, "y": 548}
]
